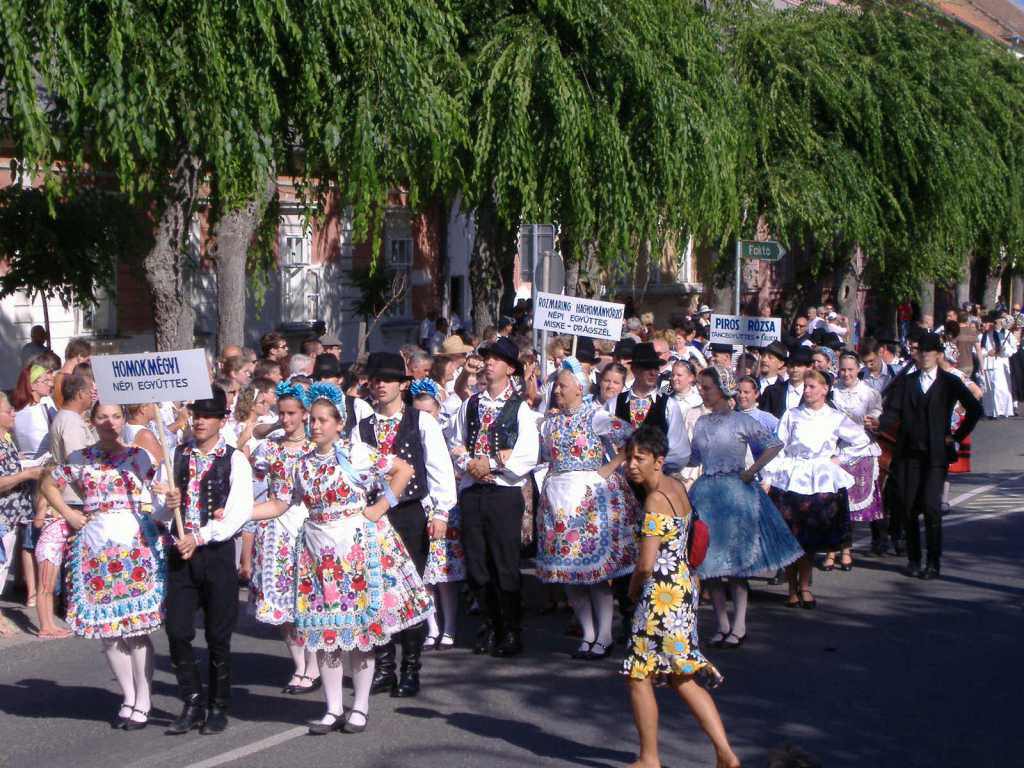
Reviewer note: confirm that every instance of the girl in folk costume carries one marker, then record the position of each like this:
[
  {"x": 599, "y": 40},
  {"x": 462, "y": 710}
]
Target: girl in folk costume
[
  {"x": 587, "y": 511},
  {"x": 355, "y": 584},
  {"x": 116, "y": 568},
  {"x": 271, "y": 591},
  {"x": 446, "y": 560}
]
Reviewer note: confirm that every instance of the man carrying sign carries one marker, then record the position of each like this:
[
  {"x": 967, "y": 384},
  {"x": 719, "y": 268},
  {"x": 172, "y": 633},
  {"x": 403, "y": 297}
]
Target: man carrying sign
[{"x": 214, "y": 493}]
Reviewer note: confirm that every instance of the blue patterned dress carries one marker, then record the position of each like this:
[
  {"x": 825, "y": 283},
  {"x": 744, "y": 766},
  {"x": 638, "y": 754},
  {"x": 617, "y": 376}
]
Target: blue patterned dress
[
  {"x": 586, "y": 522},
  {"x": 746, "y": 534},
  {"x": 355, "y": 584}
]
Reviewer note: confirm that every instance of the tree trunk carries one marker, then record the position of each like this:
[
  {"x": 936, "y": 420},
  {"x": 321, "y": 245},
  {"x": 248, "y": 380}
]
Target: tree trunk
[
  {"x": 927, "y": 298},
  {"x": 232, "y": 235},
  {"x": 484, "y": 269},
  {"x": 848, "y": 292},
  {"x": 963, "y": 285},
  {"x": 994, "y": 279},
  {"x": 172, "y": 311}
]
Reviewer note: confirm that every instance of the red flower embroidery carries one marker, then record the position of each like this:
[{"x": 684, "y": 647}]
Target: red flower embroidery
[
  {"x": 359, "y": 583},
  {"x": 330, "y": 636},
  {"x": 114, "y": 566},
  {"x": 375, "y": 628},
  {"x": 138, "y": 573},
  {"x": 96, "y": 584}
]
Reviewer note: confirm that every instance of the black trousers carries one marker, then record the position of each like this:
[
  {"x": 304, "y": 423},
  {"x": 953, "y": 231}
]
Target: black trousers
[
  {"x": 492, "y": 517},
  {"x": 410, "y": 523},
  {"x": 920, "y": 483},
  {"x": 207, "y": 580}
]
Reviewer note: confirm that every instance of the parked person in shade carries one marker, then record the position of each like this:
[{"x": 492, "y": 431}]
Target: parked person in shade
[
  {"x": 355, "y": 583},
  {"x": 213, "y": 490},
  {"x": 747, "y": 536},
  {"x": 808, "y": 485},
  {"x": 496, "y": 447},
  {"x": 398, "y": 430},
  {"x": 587, "y": 512},
  {"x": 116, "y": 569},
  {"x": 923, "y": 404},
  {"x": 663, "y": 645}
]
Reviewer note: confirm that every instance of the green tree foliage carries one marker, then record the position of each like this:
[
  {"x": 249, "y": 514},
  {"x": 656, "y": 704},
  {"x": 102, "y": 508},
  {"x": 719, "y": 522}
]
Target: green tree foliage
[
  {"x": 881, "y": 128},
  {"x": 64, "y": 249},
  {"x": 609, "y": 118}
]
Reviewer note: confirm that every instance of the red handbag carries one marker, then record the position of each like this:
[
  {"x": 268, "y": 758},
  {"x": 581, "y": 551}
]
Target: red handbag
[{"x": 697, "y": 543}]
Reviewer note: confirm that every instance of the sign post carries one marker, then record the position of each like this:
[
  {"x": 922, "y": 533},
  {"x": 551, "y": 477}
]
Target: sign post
[
  {"x": 152, "y": 377},
  {"x": 763, "y": 250},
  {"x": 548, "y": 277}
]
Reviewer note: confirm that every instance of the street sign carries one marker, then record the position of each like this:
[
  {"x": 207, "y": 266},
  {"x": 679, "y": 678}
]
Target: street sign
[
  {"x": 744, "y": 331},
  {"x": 765, "y": 250},
  {"x": 549, "y": 274}
]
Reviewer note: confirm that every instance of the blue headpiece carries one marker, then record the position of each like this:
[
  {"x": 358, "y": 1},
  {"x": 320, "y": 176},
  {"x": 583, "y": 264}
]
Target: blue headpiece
[
  {"x": 572, "y": 365},
  {"x": 424, "y": 387},
  {"x": 324, "y": 390},
  {"x": 286, "y": 389}
]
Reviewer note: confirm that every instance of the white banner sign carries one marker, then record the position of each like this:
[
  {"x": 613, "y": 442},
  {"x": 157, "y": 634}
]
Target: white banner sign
[
  {"x": 578, "y": 317},
  {"x": 152, "y": 377},
  {"x": 744, "y": 331}
]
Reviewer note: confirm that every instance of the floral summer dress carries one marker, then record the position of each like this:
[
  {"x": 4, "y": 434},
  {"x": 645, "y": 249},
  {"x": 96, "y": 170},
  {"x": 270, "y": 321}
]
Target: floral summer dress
[
  {"x": 116, "y": 571},
  {"x": 355, "y": 584},
  {"x": 586, "y": 522},
  {"x": 663, "y": 639},
  {"x": 272, "y": 586}
]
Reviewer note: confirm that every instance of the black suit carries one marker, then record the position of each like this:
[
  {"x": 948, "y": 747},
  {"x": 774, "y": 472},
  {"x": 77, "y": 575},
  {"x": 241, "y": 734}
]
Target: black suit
[
  {"x": 924, "y": 451},
  {"x": 773, "y": 399}
]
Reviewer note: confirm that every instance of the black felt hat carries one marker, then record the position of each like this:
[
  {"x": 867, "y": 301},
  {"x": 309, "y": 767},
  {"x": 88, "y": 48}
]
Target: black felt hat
[
  {"x": 505, "y": 349},
  {"x": 929, "y": 342},
  {"x": 215, "y": 405},
  {"x": 326, "y": 366},
  {"x": 644, "y": 356},
  {"x": 585, "y": 350},
  {"x": 389, "y": 366},
  {"x": 624, "y": 349},
  {"x": 800, "y": 355}
]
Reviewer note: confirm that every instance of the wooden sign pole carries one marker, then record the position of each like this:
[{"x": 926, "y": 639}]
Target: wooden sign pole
[{"x": 162, "y": 437}]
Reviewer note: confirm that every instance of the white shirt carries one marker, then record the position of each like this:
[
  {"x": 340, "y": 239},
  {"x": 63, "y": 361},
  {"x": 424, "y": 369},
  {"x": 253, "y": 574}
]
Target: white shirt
[
  {"x": 525, "y": 452},
  {"x": 794, "y": 394},
  {"x": 436, "y": 461},
  {"x": 927, "y": 378}
]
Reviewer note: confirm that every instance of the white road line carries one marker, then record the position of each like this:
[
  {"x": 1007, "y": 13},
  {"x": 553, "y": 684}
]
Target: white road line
[
  {"x": 984, "y": 516},
  {"x": 983, "y": 489},
  {"x": 256, "y": 746}
]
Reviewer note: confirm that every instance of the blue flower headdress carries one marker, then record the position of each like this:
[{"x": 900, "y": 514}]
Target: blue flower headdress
[
  {"x": 425, "y": 387},
  {"x": 286, "y": 389},
  {"x": 324, "y": 390}
]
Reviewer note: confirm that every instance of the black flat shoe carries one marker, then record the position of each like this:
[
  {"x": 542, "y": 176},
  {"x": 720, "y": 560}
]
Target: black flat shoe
[
  {"x": 582, "y": 651},
  {"x": 137, "y": 725},
  {"x": 912, "y": 570},
  {"x": 349, "y": 728},
  {"x": 725, "y": 644},
  {"x": 808, "y": 604},
  {"x": 929, "y": 572},
  {"x": 846, "y": 566},
  {"x": 315, "y": 684},
  {"x": 717, "y": 638},
  {"x": 828, "y": 564},
  {"x": 598, "y": 651},
  {"x": 319, "y": 728},
  {"x": 793, "y": 603},
  {"x": 118, "y": 722}
]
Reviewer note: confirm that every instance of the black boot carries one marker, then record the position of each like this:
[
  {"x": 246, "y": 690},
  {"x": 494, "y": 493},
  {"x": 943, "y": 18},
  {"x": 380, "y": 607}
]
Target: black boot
[
  {"x": 412, "y": 643},
  {"x": 510, "y": 642},
  {"x": 191, "y": 689},
  {"x": 220, "y": 693},
  {"x": 490, "y": 631},
  {"x": 384, "y": 678}
]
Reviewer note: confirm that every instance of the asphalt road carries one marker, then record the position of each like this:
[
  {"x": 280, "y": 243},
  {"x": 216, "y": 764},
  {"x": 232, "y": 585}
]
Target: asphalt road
[{"x": 887, "y": 671}]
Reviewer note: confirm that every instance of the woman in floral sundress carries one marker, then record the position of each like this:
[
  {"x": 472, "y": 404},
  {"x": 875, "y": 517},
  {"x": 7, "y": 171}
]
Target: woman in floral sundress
[
  {"x": 355, "y": 583},
  {"x": 663, "y": 642},
  {"x": 116, "y": 569}
]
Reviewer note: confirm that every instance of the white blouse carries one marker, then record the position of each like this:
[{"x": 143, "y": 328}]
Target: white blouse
[
  {"x": 857, "y": 402},
  {"x": 811, "y": 438}
]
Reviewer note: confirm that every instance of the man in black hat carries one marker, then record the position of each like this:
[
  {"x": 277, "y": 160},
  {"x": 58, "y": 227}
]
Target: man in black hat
[
  {"x": 644, "y": 403},
  {"x": 398, "y": 429},
  {"x": 327, "y": 368},
  {"x": 721, "y": 354},
  {"x": 214, "y": 493},
  {"x": 773, "y": 366},
  {"x": 922, "y": 404},
  {"x": 496, "y": 444}
]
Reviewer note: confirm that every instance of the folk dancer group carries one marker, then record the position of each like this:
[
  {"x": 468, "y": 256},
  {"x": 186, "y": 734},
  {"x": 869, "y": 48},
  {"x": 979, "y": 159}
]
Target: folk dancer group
[{"x": 358, "y": 523}]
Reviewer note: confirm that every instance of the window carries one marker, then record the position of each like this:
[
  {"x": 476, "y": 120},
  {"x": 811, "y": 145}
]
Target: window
[
  {"x": 534, "y": 239},
  {"x": 399, "y": 259}
]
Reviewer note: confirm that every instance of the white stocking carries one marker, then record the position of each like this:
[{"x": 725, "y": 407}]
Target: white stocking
[
  {"x": 432, "y": 629},
  {"x": 716, "y": 587},
  {"x": 120, "y": 662},
  {"x": 740, "y": 593},
  {"x": 141, "y": 650},
  {"x": 332, "y": 672},
  {"x": 361, "y": 663},
  {"x": 449, "y": 592},
  {"x": 312, "y": 667},
  {"x": 295, "y": 650},
  {"x": 580, "y": 599},
  {"x": 604, "y": 610}
]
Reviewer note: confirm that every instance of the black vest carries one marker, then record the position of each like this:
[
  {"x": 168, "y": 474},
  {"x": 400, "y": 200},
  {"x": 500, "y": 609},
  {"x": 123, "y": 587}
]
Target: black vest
[
  {"x": 350, "y": 415},
  {"x": 214, "y": 485},
  {"x": 504, "y": 431},
  {"x": 407, "y": 446},
  {"x": 918, "y": 423},
  {"x": 655, "y": 416}
]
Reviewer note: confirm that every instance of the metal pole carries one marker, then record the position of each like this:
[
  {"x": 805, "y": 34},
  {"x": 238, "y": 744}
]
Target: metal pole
[
  {"x": 737, "y": 278},
  {"x": 544, "y": 335},
  {"x": 533, "y": 279}
]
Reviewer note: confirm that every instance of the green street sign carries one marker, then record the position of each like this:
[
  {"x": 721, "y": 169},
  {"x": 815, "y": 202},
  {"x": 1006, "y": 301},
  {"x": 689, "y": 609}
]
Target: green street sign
[{"x": 766, "y": 250}]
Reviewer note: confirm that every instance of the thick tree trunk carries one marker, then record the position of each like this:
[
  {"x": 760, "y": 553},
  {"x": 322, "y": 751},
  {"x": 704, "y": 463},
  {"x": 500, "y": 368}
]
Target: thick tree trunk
[
  {"x": 994, "y": 279},
  {"x": 927, "y": 297},
  {"x": 484, "y": 269},
  {"x": 963, "y": 285},
  {"x": 172, "y": 311},
  {"x": 232, "y": 235},
  {"x": 848, "y": 291}
]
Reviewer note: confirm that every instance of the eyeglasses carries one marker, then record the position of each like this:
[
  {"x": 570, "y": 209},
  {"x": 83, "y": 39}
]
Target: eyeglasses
[{"x": 280, "y": 346}]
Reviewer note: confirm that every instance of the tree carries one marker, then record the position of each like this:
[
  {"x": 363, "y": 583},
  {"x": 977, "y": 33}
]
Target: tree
[
  {"x": 607, "y": 118},
  {"x": 877, "y": 128},
  {"x": 181, "y": 97}
]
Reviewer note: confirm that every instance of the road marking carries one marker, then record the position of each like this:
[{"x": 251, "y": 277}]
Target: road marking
[
  {"x": 256, "y": 746},
  {"x": 960, "y": 518},
  {"x": 983, "y": 489}
]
